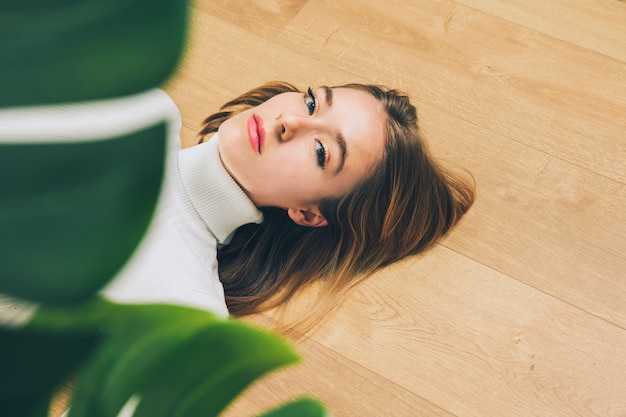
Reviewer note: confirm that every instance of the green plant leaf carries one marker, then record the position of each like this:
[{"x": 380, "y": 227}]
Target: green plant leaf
[
  {"x": 34, "y": 364},
  {"x": 180, "y": 361},
  {"x": 71, "y": 50},
  {"x": 71, "y": 213},
  {"x": 303, "y": 407},
  {"x": 202, "y": 381}
]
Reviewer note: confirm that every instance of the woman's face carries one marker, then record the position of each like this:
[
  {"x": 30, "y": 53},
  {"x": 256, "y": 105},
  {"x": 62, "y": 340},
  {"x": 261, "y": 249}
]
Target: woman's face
[{"x": 294, "y": 150}]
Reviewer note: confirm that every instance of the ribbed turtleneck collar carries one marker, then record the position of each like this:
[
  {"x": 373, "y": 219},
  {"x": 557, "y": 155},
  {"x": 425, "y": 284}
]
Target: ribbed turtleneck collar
[{"x": 215, "y": 196}]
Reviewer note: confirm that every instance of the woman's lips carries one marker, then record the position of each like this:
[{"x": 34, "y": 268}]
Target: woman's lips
[{"x": 256, "y": 133}]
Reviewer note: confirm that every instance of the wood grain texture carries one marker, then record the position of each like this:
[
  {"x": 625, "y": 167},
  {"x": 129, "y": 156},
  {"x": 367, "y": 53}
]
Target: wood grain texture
[
  {"x": 540, "y": 220},
  {"x": 521, "y": 310},
  {"x": 594, "y": 25},
  {"x": 476, "y": 343}
]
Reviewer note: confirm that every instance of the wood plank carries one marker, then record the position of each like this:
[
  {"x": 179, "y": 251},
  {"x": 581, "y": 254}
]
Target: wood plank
[
  {"x": 538, "y": 219},
  {"x": 266, "y": 18},
  {"x": 597, "y": 25},
  {"x": 480, "y": 344}
]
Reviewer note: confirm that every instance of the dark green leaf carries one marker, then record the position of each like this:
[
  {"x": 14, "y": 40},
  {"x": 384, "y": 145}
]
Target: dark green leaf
[
  {"x": 181, "y": 361},
  {"x": 34, "y": 364},
  {"x": 209, "y": 371},
  {"x": 69, "y": 50},
  {"x": 72, "y": 213},
  {"x": 304, "y": 407}
]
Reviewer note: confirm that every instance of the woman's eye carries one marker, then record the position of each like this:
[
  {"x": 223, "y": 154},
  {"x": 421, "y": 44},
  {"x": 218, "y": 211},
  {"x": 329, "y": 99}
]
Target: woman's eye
[
  {"x": 309, "y": 100},
  {"x": 320, "y": 154}
]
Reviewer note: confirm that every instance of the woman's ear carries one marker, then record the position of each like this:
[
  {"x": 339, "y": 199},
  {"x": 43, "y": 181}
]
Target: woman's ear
[{"x": 307, "y": 217}]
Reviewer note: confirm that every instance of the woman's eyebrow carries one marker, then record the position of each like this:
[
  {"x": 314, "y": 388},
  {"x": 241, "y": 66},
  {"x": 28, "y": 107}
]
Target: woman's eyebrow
[
  {"x": 329, "y": 95},
  {"x": 341, "y": 140}
]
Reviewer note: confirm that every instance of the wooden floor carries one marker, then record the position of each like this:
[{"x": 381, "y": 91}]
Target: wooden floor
[{"x": 521, "y": 311}]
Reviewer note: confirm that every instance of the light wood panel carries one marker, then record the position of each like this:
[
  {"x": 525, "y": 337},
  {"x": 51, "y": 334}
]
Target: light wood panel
[
  {"x": 477, "y": 343},
  {"x": 520, "y": 311},
  {"x": 596, "y": 25},
  {"x": 262, "y": 17},
  {"x": 540, "y": 220}
]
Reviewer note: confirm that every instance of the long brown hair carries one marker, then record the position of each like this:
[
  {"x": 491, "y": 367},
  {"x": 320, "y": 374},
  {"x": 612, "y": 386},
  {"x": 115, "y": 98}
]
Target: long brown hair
[{"x": 402, "y": 208}]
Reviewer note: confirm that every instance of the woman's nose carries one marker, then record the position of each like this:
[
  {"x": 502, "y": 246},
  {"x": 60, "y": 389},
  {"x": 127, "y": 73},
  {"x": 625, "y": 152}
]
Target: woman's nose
[{"x": 291, "y": 125}]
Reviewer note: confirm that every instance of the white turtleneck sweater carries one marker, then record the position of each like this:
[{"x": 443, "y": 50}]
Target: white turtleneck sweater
[{"x": 199, "y": 207}]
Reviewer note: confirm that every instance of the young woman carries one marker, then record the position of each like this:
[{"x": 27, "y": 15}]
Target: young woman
[
  {"x": 286, "y": 188},
  {"x": 345, "y": 183}
]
